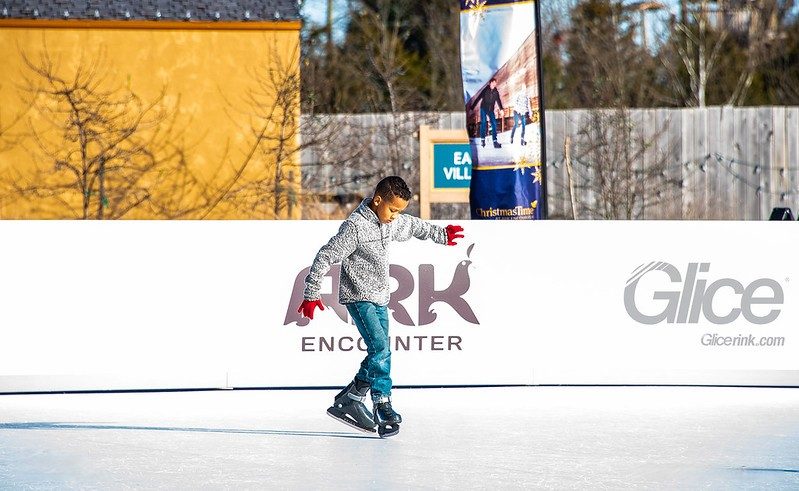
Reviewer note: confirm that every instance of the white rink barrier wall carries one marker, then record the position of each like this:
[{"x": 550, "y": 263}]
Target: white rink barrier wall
[{"x": 132, "y": 305}]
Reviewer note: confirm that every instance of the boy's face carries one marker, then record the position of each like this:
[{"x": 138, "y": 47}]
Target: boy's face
[{"x": 387, "y": 210}]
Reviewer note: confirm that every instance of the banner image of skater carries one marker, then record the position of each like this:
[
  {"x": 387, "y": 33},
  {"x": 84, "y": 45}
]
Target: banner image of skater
[{"x": 504, "y": 114}]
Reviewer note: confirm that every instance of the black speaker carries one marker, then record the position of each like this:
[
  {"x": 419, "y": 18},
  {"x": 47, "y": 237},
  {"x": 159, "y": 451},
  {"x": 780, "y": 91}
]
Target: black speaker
[{"x": 781, "y": 214}]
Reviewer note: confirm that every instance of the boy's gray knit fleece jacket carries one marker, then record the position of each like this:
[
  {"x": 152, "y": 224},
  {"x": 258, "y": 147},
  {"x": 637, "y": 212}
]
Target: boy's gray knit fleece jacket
[{"x": 361, "y": 245}]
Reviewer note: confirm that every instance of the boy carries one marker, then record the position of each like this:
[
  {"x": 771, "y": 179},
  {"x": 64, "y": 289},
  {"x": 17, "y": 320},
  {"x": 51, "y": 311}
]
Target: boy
[{"x": 361, "y": 245}]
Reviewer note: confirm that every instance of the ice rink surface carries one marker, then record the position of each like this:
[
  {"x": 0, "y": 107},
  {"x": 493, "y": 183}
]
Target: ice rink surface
[{"x": 453, "y": 438}]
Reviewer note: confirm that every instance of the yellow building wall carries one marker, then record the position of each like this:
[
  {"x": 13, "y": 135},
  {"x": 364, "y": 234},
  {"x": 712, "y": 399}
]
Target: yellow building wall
[{"x": 209, "y": 78}]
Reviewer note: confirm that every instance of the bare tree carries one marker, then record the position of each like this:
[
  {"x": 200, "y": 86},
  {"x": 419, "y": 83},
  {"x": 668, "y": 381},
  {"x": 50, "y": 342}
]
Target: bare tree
[
  {"x": 103, "y": 151},
  {"x": 695, "y": 50},
  {"x": 762, "y": 38},
  {"x": 387, "y": 153},
  {"x": 263, "y": 179},
  {"x": 269, "y": 178},
  {"x": 606, "y": 68},
  {"x": 443, "y": 37},
  {"x": 782, "y": 71},
  {"x": 387, "y": 65},
  {"x": 716, "y": 53},
  {"x": 8, "y": 138},
  {"x": 612, "y": 164},
  {"x": 615, "y": 168},
  {"x": 362, "y": 148}
]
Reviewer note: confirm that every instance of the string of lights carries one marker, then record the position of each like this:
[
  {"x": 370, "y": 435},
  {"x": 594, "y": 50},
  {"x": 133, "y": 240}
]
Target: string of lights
[{"x": 738, "y": 169}]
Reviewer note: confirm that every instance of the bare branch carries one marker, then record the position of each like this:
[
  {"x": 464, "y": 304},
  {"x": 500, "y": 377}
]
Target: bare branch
[{"x": 104, "y": 146}]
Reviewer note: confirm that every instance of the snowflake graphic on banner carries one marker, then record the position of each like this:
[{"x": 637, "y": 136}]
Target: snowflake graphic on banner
[
  {"x": 522, "y": 162},
  {"x": 537, "y": 175},
  {"x": 477, "y": 8}
]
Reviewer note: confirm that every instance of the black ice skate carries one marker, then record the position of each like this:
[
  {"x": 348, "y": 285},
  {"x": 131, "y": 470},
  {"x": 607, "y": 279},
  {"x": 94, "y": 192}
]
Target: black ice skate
[
  {"x": 483, "y": 141},
  {"x": 348, "y": 407},
  {"x": 387, "y": 419},
  {"x": 497, "y": 144}
]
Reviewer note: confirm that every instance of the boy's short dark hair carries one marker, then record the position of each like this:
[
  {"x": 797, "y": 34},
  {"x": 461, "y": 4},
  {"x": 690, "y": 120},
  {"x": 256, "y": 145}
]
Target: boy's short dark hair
[{"x": 391, "y": 186}]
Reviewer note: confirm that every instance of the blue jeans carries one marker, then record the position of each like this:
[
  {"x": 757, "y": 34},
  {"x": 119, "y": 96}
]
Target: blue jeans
[
  {"x": 372, "y": 322},
  {"x": 517, "y": 120},
  {"x": 490, "y": 115}
]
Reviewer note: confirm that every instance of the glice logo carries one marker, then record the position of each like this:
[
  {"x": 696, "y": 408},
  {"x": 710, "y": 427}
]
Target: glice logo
[
  {"x": 428, "y": 295},
  {"x": 684, "y": 305}
]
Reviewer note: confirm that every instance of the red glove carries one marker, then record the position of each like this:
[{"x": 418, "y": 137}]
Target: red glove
[
  {"x": 452, "y": 234},
  {"x": 307, "y": 306}
]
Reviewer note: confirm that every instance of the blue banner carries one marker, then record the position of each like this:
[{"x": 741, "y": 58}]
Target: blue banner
[{"x": 504, "y": 114}]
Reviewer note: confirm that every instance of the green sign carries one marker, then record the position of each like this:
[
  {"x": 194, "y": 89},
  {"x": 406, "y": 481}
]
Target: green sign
[{"x": 452, "y": 165}]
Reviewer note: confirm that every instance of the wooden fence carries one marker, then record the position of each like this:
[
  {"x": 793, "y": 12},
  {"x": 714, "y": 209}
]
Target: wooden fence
[{"x": 712, "y": 163}]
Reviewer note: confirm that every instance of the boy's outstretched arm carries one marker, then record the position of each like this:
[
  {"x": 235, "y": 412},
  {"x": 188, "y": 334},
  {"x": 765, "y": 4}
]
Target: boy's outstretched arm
[
  {"x": 410, "y": 226},
  {"x": 337, "y": 248}
]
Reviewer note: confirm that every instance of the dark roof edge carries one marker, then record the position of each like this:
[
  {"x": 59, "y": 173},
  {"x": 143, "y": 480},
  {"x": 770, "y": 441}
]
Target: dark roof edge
[{"x": 166, "y": 10}]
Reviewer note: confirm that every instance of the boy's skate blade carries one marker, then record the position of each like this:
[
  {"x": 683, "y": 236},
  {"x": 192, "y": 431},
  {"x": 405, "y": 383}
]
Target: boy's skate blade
[
  {"x": 338, "y": 415},
  {"x": 388, "y": 430}
]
